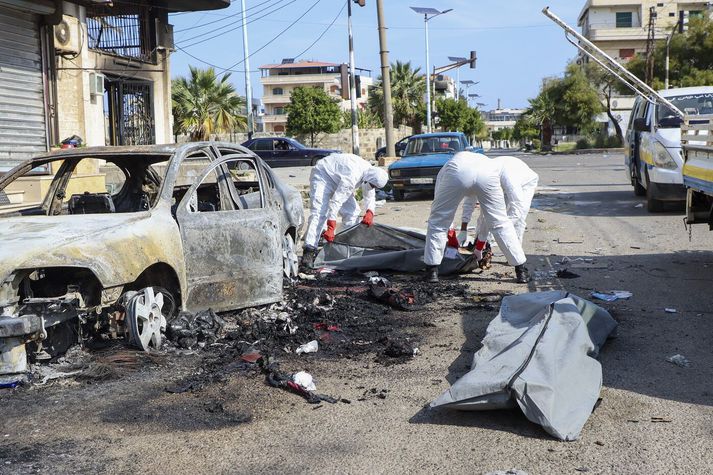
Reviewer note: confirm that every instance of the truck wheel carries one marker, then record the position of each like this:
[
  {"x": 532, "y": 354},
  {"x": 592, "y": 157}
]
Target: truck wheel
[
  {"x": 639, "y": 189},
  {"x": 652, "y": 204},
  {"x": 398, "y": 195}
]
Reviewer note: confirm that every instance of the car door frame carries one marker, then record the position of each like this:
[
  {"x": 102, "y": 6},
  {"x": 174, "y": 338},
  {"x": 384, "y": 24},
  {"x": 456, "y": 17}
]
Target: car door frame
[{"x": 233, "y": 257}]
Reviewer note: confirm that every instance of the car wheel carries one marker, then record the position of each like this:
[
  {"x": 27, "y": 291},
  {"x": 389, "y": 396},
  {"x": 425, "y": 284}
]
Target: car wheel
[
  {"x": 315, "y": 160},
  {"x": 380, "y": 155},
  {"x": 290, "y": 264},
  {"x": 145, "y": 319},
  {"x": 652, "y": 204},
  {"x": 639, "y": 189},
  {"x": 398, "y": 195}
]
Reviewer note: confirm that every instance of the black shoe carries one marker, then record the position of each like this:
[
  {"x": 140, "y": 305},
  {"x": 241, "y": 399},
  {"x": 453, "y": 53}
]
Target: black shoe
[
  {"x": 522, "y": 275},
  {"x": 484, "y": 263},
  {"x": 308, "y": 256},
  {"x": 432, "y": 274}
]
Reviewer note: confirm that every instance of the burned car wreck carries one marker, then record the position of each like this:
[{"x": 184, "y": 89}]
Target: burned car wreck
[{"x": 126, "y": 237}]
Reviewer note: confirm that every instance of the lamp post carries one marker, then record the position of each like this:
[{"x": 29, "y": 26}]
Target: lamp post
[
  {"x": 457, "y": 59},
  {"x": 467, "y": 83},
  {"x": 428, "y": 14}
]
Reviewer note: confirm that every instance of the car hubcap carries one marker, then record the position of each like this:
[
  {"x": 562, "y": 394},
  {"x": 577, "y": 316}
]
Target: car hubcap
[
  {"x": 145, "y": 320},
  {"x": 289, "y": 257}
]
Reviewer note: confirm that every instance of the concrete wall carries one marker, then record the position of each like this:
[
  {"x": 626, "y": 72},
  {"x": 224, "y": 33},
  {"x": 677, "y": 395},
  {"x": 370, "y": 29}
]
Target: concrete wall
[{"x": 369, "y": 139}]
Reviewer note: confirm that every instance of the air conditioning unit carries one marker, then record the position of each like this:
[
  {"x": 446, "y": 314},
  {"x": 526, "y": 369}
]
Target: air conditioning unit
[
  {"x": 66, "y": 36},
  {"x": 96, "y": 84}
]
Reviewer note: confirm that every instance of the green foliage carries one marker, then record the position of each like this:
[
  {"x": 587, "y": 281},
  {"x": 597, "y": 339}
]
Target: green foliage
[
  {"x": 451, "y": 114},
  {"x": 503, "y": 134},
  {"x": 205, "y": 105},
  {"x": 365, "y": 120},
  {"x": 525, "y": 129},
  {"x": 691, "y": 58},
  {"x": 311, "y": 112},
  {"x": 474, "y": 125},
  {"x": 583, "y": 143},
  {"x": 567, "y": 101},
  {"x": 408, "y": 87}
]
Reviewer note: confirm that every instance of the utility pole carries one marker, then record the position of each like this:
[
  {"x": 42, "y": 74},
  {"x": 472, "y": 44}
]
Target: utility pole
[
  {"x": 650, "y": 47},
  {"x": 352, "y": 78},
  {"x": 248, "y": 87},
  {"x": 386, "y": 81}
]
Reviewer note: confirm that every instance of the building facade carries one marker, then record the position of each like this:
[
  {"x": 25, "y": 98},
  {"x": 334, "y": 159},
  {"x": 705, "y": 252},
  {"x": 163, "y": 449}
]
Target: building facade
[
  {"x": 620, "y": 27},
  {"x": 279, "y": 80},
  {"x": 96, "y": 69}
]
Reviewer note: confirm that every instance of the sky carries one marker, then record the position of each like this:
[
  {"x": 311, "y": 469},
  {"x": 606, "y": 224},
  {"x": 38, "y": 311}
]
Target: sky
[{"x": 517, "y": 46}]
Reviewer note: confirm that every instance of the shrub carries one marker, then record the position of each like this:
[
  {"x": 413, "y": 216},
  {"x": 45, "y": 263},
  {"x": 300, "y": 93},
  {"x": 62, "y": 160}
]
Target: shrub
[{"x": 582, "y": 144}]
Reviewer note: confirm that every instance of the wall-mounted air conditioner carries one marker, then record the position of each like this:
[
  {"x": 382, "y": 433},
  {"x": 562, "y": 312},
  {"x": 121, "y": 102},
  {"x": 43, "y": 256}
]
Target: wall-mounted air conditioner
[{"x": 66, "y": 36}]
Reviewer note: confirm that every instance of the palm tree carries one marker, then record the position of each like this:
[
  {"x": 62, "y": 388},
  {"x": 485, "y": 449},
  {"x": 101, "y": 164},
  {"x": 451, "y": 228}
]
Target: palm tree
[
  {"x": 541, "y": 114},
  {"x": 205, "y": 105},
  {"x": 408, "y": 88}
]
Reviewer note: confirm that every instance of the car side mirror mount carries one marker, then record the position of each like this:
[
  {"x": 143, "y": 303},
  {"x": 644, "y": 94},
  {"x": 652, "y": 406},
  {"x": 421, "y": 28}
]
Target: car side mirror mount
[{"x": 640, "y": 125}]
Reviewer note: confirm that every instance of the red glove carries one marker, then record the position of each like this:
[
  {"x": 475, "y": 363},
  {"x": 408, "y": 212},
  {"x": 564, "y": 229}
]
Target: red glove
[
  {"x": 368, "y": 218},
  {"x": 453, "y": 239},
  {"x": 328, "y": 235}
]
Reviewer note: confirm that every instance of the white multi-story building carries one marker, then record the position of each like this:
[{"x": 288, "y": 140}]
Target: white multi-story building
[
  {"x": 279, "y": 80},
  {"x": 620, "y": 27}
]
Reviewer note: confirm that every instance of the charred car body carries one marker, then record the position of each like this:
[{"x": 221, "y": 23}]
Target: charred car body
[{"x": 166, "y": 228}]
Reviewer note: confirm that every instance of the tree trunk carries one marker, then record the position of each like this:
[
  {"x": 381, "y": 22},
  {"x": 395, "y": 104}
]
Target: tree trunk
[
  {"x": 311, "y": 139},
  {"x": 547, "y": 135},
  {"x": 613, "y": 120}
]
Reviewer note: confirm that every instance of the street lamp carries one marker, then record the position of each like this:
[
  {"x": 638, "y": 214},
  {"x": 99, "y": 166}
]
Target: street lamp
[
  {"x": 428, "y": 14},
  {"x": 457, "y": 59},
  {"x": 467, "y": 83}
]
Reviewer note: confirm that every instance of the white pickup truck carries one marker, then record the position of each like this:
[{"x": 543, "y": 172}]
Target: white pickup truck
[{"x": 697, "y": 148}]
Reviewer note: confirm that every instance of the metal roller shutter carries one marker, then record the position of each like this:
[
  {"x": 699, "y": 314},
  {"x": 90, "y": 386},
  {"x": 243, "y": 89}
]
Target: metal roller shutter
[{"x": 23, "y": 132}]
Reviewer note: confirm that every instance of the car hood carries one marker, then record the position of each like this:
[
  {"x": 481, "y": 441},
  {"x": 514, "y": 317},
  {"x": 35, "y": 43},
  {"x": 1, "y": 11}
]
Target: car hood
[
  {"x": 96, "y": 242},
  {"x": 416, "y": 161}
]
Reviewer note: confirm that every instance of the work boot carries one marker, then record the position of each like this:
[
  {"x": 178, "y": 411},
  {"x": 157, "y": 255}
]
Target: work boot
[
  {"x": 432, "y": 274},
  {"x": 308, "y": 256},
  {"x": 522, "y": 275}
]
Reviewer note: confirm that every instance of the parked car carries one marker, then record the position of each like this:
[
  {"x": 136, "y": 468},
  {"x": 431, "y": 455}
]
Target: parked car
[
  {"x": 652, "y": 153},
  {"x": 400, "y": 146},
  {"x": 423, "y": 158},
  {"x": 125, "y": 237},
  {"x": 286, "y": 152}
]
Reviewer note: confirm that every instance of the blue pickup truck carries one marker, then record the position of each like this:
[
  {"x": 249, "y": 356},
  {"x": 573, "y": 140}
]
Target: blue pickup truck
[{"x": 423, "y": 158}]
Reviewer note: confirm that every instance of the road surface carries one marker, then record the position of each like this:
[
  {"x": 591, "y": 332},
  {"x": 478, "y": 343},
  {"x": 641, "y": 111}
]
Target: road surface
[{"x": 655, "y": 417}]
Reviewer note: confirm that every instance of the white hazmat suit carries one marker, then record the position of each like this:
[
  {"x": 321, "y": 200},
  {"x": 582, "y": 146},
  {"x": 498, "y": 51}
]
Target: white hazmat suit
[
  {"x": 474, "y": 176},
  {"x": 519, "y": 183},
  {"x": 331, "y": 187}
]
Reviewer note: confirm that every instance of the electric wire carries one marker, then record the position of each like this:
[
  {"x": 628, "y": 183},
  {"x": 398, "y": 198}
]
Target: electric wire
[
  {"x": 224, "y": 18},
  {"x": 229, "y": 68},
  {"x": 323, "y": 33},
  {"x": 238, "y": 22}
]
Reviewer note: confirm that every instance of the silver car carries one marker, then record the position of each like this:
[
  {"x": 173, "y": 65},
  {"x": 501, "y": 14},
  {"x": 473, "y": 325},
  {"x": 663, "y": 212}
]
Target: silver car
[{"x": 125, "y": 237}]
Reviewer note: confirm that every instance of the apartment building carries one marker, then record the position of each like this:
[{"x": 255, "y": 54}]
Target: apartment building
[
  {"x": 620, "y": 27},
  {"x": 279, "y": 80}
]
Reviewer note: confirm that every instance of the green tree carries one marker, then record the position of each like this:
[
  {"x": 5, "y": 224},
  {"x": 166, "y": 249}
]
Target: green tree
[
  {"x": 567, "y": 101},
  {"x": 408, "y": 87},
  {"x": 691, "y": 58},
  {"x": 474, "y": 125},
  {"x": 205, "y": 105},
  {"x": 452, "y": 114},
  {"x": 606, "y": 85},
  {"x": 365, "y": 120},
  {"x": 524, "y": 129},
  {"x": 311, "y": 112}
]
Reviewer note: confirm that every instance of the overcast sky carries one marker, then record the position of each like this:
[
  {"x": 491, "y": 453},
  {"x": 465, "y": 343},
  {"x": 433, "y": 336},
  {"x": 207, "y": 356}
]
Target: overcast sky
[{"x": 516, "y": 45}]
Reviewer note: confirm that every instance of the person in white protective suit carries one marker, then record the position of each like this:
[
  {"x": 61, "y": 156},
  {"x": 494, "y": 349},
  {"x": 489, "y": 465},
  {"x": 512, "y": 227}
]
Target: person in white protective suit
[
  {"x": 519, "y": 183},
  {"x": 475, "y": 176},
  {"x": 332, "y": 184}
]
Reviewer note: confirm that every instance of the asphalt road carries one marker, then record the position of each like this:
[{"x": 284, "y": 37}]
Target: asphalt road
[{"x": 584, "y": 209}]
